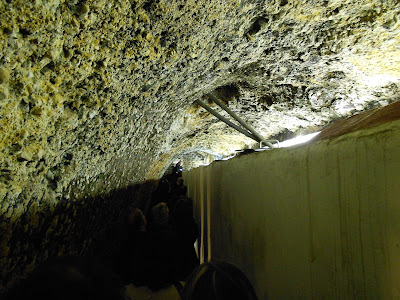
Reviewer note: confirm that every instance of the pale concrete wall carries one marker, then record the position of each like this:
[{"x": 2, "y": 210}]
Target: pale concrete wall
[{"x": 315, "y": 222}]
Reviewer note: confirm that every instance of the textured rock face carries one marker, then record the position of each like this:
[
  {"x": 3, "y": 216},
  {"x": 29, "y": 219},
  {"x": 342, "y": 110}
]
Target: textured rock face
[{"x": 98, "y": 95}]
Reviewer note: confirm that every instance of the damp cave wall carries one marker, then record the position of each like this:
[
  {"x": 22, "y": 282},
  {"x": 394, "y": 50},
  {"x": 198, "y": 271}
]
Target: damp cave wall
[
  {"x": 314, "y": 221},
  {"x": 96, "y": 97}
]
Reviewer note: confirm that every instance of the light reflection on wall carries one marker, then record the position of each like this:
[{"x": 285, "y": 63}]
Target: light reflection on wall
[{"x": 298, "y": 140}]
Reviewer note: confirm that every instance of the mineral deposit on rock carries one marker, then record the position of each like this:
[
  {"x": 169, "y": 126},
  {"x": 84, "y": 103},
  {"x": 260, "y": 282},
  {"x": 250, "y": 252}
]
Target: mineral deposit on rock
[{"x": 97, "y": 96}]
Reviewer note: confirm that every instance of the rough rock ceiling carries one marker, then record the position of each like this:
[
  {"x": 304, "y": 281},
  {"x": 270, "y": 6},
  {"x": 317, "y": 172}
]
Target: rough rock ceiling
[{"x": 97, "y": 95}]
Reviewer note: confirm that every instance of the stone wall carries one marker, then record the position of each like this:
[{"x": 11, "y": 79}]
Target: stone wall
[
  {"x": 97, "y": 96},
  {"x": 84, "y": 227}
]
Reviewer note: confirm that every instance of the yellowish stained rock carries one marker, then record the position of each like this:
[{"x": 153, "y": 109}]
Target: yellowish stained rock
[{"x": 99, "y": 95}]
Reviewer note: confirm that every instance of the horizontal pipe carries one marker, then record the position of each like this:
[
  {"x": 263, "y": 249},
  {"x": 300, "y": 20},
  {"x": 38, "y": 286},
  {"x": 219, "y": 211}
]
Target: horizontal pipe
[
  {"x": 236, "y": 117},
  {"x": 223, "y": 119},
  {"x": 259, "y": 137},
  {"x": 269, "y": 143}
]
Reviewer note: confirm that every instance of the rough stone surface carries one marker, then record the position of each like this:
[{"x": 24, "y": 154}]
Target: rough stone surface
[{"x": 97, "y": 95}]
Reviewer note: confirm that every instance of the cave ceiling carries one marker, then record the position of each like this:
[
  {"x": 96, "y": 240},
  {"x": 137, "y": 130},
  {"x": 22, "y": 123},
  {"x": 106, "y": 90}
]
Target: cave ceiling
[{"x": 97, "y": 95}]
